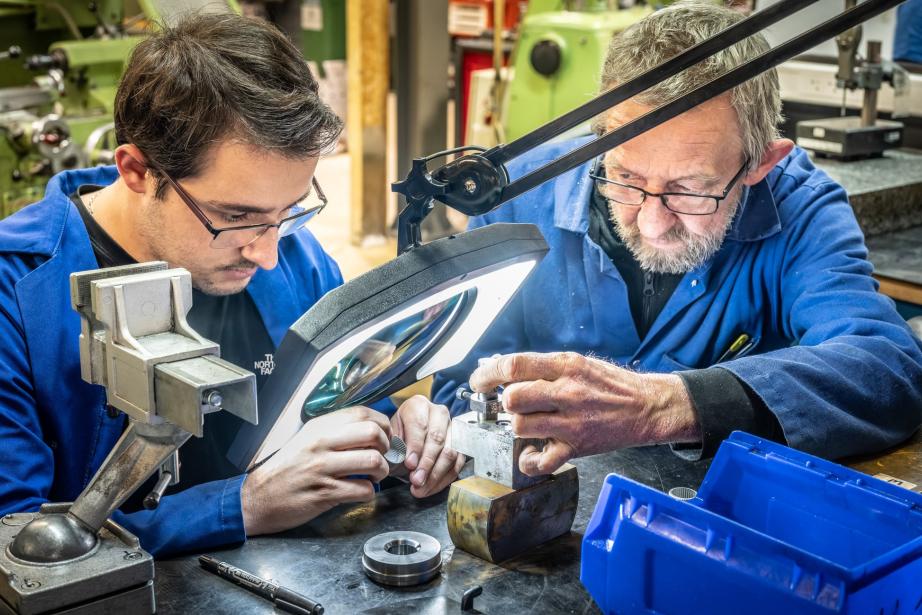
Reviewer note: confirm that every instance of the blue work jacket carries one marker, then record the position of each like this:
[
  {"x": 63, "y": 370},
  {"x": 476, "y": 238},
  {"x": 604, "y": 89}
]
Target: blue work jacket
[
  {"x": 832, "y": 359},
  {"x": 54, "y": 429}
]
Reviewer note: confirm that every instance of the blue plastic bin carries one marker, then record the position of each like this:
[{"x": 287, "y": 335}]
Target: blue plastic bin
[{"x": 772, "y": 530}]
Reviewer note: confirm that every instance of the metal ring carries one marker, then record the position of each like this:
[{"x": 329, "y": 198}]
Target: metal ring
[
  {"x": 402, "y": 558},
  {"x": 683, "y": 493}
]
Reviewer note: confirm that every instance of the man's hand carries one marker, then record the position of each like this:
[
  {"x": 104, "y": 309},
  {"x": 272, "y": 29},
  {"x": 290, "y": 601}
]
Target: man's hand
[
  {"x": 311, "y": 473},
  {"x": 585, "y": 406},
  {"x": 425, "y": 427}
]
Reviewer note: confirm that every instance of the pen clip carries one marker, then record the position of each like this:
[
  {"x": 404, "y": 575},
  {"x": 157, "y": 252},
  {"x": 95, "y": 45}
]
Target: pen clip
[
  {"x": 742, "y": 352},
  {"x": 739, "y": 345}
]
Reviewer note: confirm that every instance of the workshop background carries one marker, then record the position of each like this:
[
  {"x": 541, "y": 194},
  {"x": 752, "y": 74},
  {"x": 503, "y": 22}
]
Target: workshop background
[{"x": 413, "y": 77}]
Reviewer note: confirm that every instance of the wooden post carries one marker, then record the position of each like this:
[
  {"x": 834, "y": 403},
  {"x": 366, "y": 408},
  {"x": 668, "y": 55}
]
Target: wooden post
[{"x": 368, "y": 60}]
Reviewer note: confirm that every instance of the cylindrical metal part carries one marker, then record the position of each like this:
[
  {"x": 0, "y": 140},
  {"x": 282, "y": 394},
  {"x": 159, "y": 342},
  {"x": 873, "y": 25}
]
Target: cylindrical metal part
[
  {"x": 869, "y": 105},
  {"x": 152, "y": 499},
  {"x": 402, "y": 559},
  {"x": 397, "y": 453},
  {"x": 683, "y": 493}
]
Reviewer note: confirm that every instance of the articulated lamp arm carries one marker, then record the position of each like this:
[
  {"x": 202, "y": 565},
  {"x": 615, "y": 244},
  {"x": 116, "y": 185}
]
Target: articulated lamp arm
[{"x": 478, "y": 183}]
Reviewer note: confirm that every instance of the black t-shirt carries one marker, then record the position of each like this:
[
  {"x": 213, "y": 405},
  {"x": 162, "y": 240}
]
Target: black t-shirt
[
  {"x": 647, "y": 292},
  {"x": 234, "y": 323}
]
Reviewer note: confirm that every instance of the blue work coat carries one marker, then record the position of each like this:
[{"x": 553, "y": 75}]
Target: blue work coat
[
  {"x": 832, "y": 359},
  {"x": 54, "y": 428}
]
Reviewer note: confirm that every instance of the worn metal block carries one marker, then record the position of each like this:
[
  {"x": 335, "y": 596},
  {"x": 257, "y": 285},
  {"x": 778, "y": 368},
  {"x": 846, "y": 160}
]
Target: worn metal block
[
  {"x": 494, "y": 447},
  {"x": 495, "y": 522}
]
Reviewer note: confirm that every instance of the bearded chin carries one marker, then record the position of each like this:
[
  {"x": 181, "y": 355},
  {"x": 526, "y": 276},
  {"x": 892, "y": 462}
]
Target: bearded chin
[{"x": 695, "y": 251}]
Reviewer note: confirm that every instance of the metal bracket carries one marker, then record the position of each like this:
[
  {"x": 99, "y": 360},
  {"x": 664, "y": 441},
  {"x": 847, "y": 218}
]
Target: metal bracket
[{"x": 136, "y": 342}]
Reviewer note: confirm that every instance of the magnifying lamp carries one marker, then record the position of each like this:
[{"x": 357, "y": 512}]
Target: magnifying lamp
[
  {"x": 393, "y": 326},
  {"x": 424, "y": 311}
]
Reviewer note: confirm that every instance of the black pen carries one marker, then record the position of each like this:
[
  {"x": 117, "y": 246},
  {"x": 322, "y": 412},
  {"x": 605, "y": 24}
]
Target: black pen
[{"x": 284, "y": 599}]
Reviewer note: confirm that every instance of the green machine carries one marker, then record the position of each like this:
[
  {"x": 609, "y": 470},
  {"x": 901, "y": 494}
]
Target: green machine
[
  {"x": 558, "y": 58},
  {"x": 60, "y": 63}
]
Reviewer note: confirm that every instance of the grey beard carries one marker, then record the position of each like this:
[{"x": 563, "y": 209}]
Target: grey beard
[{"x": 697, "y": 248}]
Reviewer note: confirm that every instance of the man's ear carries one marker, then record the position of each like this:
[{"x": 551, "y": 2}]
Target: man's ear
[
  {"x": 774, "y": 153},
  {"x": 132, "y": 168}
]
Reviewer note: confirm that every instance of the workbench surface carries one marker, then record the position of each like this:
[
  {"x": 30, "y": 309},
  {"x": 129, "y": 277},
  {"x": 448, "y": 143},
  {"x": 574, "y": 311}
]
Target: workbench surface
[{"x": 322, "y": 559}]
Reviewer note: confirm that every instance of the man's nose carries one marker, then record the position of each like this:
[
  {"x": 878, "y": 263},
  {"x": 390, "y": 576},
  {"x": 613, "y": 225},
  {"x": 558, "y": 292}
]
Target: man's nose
[
  {"x": 264, "y": 252},
  {"x": 654, "y": 219}
]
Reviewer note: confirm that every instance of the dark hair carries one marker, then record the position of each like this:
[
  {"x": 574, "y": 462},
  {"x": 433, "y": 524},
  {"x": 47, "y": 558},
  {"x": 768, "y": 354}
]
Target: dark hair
[{"x": 212, "y": 77}]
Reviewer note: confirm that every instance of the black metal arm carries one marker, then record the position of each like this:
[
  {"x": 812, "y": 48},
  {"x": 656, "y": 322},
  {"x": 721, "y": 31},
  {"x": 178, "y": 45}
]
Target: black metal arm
[{"x": 478, "y": 183}]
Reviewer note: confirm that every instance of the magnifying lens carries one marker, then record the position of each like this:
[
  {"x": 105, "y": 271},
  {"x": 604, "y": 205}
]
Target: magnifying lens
[{"x": 399, "y": 323}]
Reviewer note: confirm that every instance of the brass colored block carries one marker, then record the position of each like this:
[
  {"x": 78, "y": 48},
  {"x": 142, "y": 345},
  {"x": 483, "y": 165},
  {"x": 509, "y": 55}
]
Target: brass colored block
[{"x": 497, "y": 523}]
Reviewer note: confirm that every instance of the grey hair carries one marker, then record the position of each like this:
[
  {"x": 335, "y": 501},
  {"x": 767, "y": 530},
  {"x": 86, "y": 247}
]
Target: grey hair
[{"x": 674, "y": 29}]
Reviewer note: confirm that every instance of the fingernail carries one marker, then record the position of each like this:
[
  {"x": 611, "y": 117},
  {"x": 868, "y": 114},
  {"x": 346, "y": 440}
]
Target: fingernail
[
  {"x": 412, "y": 460},
  {"x": 419, "y": 478}
]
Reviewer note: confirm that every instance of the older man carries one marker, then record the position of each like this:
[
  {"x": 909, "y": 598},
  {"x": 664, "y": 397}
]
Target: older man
[{"x": 703, "y": 277}]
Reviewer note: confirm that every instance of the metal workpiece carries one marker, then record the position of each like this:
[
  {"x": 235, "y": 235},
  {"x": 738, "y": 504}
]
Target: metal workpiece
[
  {"x": 402, "y": 559},
  {"x": 494, "y": 448},
  {"x": 397, "y": 453},
  {"x": 114, "y": 577},
  {"x": 497, "y": 523},
  {"x": 488, "y": 406}
]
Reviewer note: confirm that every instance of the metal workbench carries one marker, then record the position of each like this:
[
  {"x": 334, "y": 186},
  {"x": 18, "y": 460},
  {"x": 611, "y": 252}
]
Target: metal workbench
[{"x": 322, "y": 558}]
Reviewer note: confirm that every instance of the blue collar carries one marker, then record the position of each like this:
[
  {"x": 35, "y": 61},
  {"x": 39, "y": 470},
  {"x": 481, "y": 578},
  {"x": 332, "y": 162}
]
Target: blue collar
[{"x": 756, "y": 219}]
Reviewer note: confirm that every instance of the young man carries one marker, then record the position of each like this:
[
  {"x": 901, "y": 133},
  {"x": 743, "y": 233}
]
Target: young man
[
  {"x": 219, "y": 129},
  {"x": 704, "y": 277}
]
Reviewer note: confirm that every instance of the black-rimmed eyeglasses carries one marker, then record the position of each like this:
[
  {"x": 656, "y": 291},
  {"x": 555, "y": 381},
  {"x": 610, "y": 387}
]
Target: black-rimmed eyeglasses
[
  {"x": 245, "y": 234},
  {"x": 678, "y": 202}
]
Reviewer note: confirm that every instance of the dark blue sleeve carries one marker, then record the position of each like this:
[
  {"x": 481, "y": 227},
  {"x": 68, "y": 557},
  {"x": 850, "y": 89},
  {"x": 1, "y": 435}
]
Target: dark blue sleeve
[
  {"x": 26, "y": 461},
  {"x": 201, "y": 517},
  {"x": 907, "y": 36},
  {"x": 384, "y": 406},
  {"x": 853, "y": 382}
]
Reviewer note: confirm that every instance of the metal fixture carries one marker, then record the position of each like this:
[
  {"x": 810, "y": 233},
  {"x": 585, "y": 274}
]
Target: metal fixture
[
  {"x": 402, "y": 559},
  {"x": 500, "y": 512},
  {"x": 134, "y": 341},
  {"x": 486, "y": 405},
  {"x": 849, "y": 137}
]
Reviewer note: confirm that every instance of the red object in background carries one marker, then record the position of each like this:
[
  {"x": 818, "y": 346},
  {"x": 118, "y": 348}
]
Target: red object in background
[{"x": 475, "y": 17}]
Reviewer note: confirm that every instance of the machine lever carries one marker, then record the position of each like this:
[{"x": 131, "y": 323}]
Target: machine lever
[{"x": 152, "y": 499}]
